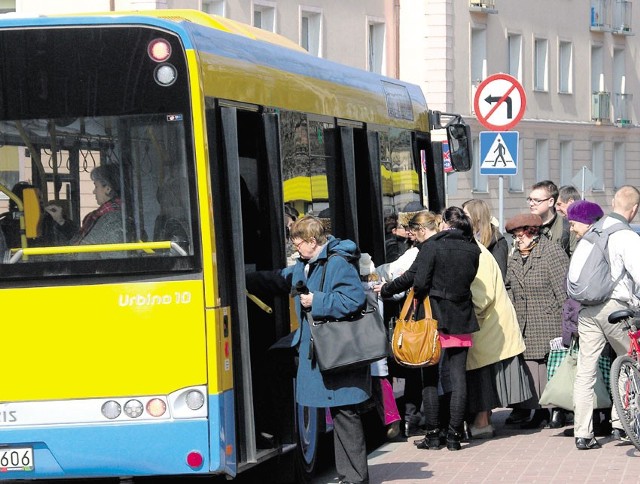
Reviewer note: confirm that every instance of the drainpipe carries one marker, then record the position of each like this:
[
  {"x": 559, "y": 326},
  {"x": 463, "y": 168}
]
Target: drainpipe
[{"x": 396, "y": 21}]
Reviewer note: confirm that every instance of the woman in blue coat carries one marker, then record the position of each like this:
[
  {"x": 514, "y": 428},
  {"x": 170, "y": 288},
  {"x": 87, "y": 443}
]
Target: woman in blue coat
[{"x": 339, "y": 296}]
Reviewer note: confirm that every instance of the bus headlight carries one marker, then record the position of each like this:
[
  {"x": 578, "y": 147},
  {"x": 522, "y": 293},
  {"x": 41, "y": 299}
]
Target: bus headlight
[
  {"x": 133, "y": 408},
  {"x": 194, "y": 399},
  {"x": 165, "y": 75},
  {"x": 111, "y": 409}
]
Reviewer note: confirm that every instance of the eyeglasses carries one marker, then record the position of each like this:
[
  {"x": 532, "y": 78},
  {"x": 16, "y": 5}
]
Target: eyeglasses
[
  {"x": 414, "y": 227},
  {"x": 297, "y": 246},
  {"x": 537, "y": 201}
]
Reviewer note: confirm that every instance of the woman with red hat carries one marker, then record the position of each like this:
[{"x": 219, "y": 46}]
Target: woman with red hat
[{"x": 535, "y": 281}]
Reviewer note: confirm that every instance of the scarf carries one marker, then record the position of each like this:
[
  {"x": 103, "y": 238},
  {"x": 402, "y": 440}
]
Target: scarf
[
  {"x": 524, "y": 252},
  {"x": 91, "y": 218}
]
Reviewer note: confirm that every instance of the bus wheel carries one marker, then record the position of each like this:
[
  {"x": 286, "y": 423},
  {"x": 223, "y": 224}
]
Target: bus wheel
[{"x": 309, "y": 424}]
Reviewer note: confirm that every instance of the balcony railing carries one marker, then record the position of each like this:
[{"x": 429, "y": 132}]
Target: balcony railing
[
  {"x": 483, "y": 6},
  {"x": 611, "y": 16},
  {"x": 599, "y": 17},
  {"x": 622, "y": 109},
  {"x": 621, "y": 18}
]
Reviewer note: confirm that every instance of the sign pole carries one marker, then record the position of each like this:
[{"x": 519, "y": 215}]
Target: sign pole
[
  {"x": 499, "y": 104},
  {"x": 501, "y": 203}
]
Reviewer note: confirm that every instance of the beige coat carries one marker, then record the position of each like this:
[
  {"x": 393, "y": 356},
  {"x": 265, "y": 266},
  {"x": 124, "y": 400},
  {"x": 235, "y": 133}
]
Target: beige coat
[{"x": 499, "y": 337}]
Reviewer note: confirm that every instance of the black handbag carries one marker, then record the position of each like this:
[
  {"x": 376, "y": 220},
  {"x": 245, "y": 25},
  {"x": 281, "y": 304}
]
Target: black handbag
[{"x": 351, "y": 342}]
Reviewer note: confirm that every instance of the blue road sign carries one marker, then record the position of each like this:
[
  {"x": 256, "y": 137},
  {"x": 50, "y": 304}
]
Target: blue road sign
[{"x": 499, "y": 152}]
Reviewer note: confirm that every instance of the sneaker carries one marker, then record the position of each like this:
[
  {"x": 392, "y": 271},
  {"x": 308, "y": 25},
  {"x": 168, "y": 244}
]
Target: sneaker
[
  {"x": 487, "y": 432},
  {"x": 621, "y": 436}
]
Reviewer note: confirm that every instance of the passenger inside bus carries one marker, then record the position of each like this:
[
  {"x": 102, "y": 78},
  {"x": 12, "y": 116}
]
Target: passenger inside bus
[
  {"x": 172, "y": 223},
  {"x": 103, "y": 225},
  {"x": 52, "y": 233},
  {"x": 290, "y": 216}
]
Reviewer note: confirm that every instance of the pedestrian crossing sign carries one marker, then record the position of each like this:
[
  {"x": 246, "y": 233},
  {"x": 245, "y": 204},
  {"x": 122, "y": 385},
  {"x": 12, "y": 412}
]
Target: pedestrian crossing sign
[{"x": 499, "y": 152}]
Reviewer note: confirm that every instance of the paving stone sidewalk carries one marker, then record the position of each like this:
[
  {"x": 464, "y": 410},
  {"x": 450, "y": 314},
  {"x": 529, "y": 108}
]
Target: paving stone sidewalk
[{"x": 513, "y": 456}]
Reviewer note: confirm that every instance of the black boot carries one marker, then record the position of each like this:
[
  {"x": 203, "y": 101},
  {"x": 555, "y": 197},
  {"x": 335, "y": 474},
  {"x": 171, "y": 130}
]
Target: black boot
[
  {"x": 558, "y": 418},
  {"x": 431, "y": 440},
  {"x": 453, "y": 439},
  {"x": 541, "y": 417},
  {"x": 518, "y": 416}
]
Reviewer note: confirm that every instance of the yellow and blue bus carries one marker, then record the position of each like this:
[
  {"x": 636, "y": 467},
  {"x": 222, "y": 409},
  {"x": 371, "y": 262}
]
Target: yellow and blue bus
[{"x": 144, "y": 356}]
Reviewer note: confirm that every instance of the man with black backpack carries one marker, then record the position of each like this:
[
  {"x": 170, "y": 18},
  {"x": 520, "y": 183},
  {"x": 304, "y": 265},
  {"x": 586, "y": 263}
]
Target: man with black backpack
[{"x": 612, "y": 237}]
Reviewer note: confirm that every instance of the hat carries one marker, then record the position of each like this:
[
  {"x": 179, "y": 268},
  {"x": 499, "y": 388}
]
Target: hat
[
  {"x": 523, "y": 220},
  {"x": 584, "y": 211},
  {"x": 366, "y": 264},
  {"x": 410, "y": 210}
]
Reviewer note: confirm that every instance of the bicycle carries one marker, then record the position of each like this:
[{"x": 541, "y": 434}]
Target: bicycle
[{"x": 625, "y": 376}]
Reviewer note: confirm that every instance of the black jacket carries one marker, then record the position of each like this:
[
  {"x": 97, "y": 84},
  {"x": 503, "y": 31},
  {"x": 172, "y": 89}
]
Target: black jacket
[{"x": 446, "y": 266}]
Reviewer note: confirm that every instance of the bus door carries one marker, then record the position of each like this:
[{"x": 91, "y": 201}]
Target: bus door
[
  {"x": 353, "y": 186},
  {"x": 250, "y": 236},
  {"x": 369, "y": 194}
]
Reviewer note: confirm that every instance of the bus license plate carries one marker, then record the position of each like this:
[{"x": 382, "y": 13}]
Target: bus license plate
[{"x": 16, "y": 459}]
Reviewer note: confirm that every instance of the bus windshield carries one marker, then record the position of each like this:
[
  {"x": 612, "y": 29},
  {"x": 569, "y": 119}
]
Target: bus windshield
[
  {"x": 107, "y": 180},
  {"x": 96, "y": 121}
]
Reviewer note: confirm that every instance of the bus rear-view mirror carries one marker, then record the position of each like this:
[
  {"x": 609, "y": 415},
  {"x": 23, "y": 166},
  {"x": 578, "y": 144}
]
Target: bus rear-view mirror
[{"x": 459, "y": 138}]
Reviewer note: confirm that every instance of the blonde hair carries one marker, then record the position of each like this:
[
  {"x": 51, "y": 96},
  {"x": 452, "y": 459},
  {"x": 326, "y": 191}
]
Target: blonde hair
[
  {"x": 626, "y": 197},
  {"x": 428, "y": 220},
  {"x": 480, "y": 216},
  {"x": 309, "y": 227}
]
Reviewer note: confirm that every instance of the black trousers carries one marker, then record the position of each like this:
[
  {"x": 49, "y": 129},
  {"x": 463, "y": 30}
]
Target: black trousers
[
  {"x": 349, "y": 444},
  {"x": 452, "y": 370},
  {"x": 413, "y": 384}
]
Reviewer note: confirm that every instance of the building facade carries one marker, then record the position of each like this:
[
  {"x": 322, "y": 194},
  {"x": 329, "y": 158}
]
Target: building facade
[{"x": 576, "y": 60}]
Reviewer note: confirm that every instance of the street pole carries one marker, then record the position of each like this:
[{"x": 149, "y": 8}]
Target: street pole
[{"x": 501, "y": 203}]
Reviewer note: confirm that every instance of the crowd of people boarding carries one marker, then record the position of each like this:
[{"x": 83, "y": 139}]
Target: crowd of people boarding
[{"x": 500, "y": 304}]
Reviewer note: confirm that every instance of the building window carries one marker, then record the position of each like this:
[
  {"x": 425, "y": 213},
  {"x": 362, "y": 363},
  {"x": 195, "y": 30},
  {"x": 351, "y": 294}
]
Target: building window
[
  {"x": 619, "y": 165},
  {"x": 311, "y": 30},
  {"x": 480, "y": 182},
  {"x": 542, "y": 159},
  {"x": 478, "y": 56},
  {"x": 597, "y": 69},
  {"x": 566, "y": 162},
  {"x": 515, "y": 55},
  {"x": 565, "y": 67},
  {"x": 478, "y": 61},
  {"x": 621, "y": 99},
  {"x": 597, "y": 165},
  {"x": 541, "y": 67},
  {"x": 7, "y": 6},
  {"x": 376, "y": 53},
  {"x": 516, "y": 182},
  {"x": 264, "y": 16},
  {"x": 214, "y": 7}
]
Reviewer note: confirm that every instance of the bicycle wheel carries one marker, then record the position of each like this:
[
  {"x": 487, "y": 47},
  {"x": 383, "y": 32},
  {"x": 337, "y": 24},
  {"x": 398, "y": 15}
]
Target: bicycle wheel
[{"x": 625, "y": 389}]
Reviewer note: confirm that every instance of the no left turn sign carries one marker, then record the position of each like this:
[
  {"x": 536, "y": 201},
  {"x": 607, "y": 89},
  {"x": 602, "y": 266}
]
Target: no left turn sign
[{"x": 499, "y": 102}]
